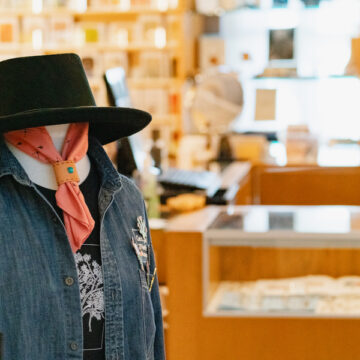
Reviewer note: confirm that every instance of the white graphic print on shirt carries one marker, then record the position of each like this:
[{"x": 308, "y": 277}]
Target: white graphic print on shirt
[{"x": 91, "y": 287}]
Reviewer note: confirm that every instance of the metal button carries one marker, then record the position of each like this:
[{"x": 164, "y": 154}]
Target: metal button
[
  {"x": 69, "y": 281},
  {"x": 74, "y": 346}
]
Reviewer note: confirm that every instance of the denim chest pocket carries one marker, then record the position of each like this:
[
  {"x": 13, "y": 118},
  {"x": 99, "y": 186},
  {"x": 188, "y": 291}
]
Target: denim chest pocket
[{"x": 148, "y": 319}]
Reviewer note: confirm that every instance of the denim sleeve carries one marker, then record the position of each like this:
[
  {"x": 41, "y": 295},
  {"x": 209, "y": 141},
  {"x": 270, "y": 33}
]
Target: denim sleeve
[{"x": 159, "y": 349}]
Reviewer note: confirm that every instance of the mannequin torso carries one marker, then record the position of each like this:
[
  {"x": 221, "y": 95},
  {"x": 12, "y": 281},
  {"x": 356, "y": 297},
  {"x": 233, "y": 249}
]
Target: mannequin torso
[{"x": 43, "y": 174}]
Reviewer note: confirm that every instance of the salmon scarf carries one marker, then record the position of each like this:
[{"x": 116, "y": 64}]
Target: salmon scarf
[{"x": 37, "y": 143}]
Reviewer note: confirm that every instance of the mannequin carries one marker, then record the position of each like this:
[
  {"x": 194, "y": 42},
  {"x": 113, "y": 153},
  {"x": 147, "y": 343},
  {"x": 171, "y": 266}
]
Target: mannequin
[
  {"x": 82, "y": 252},
  {"x": 43, "y": 174}
]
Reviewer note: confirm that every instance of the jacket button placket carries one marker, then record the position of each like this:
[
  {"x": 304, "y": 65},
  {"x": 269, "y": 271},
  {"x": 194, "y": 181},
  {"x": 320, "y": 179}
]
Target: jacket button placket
[{"x": 72, "y": 315}]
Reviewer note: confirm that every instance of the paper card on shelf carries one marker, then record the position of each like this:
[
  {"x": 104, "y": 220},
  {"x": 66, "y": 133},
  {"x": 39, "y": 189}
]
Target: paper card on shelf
[{"x": 265, "y": 107}]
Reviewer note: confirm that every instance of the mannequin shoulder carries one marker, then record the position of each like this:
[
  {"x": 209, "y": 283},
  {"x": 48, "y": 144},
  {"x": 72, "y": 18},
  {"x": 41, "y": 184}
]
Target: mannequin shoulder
[
  {"x": 129, "y": 186},
  {"x": 129, "y": 196}
]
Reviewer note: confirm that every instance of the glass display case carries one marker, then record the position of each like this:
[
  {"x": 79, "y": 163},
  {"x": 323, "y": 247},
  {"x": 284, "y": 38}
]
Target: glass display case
[{"x": 280, "y": 261}]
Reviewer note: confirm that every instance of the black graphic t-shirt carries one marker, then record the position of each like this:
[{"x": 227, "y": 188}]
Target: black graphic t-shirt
[{"x": 88, "y": 260}]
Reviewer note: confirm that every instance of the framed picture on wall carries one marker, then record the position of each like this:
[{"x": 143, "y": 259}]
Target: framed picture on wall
[{"x": 282, "y": 48}]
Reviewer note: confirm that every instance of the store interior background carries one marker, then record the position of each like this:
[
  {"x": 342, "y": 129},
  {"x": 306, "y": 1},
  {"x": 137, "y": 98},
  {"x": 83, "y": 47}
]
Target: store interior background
[{"x": 257, "y": 103}]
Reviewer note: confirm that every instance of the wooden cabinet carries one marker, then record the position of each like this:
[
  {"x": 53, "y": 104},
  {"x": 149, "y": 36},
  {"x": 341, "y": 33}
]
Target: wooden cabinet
[{"x": 193, "y": 336}]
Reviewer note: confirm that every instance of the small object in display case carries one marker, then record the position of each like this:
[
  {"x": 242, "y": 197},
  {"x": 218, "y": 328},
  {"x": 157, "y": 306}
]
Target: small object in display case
[
  {"x": 9, "y": 31},
  {"x": 281, "y": 220},
  {"x": 250, "y": 251}
]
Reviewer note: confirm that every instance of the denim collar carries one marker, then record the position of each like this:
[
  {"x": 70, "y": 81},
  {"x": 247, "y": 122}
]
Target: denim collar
[{"x": 110, "y": 178}]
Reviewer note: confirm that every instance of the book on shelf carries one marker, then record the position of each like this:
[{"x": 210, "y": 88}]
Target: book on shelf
[
  {"x": 92, "y": 62},
  {"x": 9, "y": 31},
  {"x": 91, "y": 32}
]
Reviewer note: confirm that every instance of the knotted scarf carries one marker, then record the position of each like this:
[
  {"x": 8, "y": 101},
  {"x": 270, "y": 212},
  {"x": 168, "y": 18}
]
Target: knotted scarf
[{"x": 37, "y": 143}]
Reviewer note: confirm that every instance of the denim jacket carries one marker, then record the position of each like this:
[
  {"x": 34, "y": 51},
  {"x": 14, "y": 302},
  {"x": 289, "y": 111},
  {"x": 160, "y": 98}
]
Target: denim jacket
[{"x": 40, "y": 310}]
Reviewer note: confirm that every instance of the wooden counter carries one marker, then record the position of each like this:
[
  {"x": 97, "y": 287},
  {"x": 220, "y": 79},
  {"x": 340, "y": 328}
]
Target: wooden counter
[
  {"x": 305, "y": 185},
  {"x": 192, "y": 336}
]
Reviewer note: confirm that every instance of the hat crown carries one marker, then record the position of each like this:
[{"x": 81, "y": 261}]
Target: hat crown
[{"x": 43, "y": 82}]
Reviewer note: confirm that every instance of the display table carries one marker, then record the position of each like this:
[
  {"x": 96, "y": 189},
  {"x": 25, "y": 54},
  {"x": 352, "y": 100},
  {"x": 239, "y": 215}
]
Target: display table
[{"x": 263, "y": 243}]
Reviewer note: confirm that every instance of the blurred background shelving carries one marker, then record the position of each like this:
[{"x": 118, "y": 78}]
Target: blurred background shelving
[{"x": 154, "y": 41}]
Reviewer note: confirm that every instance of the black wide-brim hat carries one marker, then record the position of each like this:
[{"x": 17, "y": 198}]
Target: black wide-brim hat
[{"x": 53, "y": 89}]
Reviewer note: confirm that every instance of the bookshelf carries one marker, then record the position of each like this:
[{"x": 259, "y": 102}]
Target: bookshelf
[{"x": 151, "y": 39}]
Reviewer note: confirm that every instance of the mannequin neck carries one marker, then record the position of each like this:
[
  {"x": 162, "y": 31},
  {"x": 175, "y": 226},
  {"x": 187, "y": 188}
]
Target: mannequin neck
[
  {"x": 57, "y": 134},
  {"x": 43, "y": 174}
]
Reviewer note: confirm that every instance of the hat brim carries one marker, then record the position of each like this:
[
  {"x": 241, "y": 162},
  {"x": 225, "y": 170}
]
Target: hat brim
[{"x": 107, "y": 124}]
